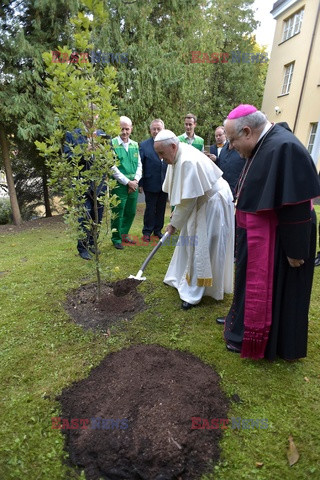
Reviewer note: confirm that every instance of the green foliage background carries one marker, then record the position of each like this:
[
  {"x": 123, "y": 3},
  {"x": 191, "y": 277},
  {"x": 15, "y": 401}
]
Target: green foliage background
[
  {"x": 158, "y": 80},
  {"x": 44, "y": 351}
]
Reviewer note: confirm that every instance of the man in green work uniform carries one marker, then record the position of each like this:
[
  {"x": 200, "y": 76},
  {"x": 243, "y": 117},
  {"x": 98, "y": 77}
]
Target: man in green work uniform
[
  {"x": 190, "y": 123},
  {"x": 127, "y": 174}
]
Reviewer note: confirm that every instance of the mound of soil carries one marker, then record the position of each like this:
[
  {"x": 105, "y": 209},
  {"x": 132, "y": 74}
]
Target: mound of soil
[
  {"x": 119, "y": 301},
  {"x": 136, "y": 409}
]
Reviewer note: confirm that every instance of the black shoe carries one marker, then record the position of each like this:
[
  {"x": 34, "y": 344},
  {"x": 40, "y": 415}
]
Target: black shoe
[
  {"x": 186, "y": 305},
  {"x": 146, "y": 238},
  {"x": 232, "y": 348},
  {"x": 221, "y": 320},
  {"x": 118, "y": 246},
  {"x": 159, "y": 235},
  {"x": 317, "y": 260},
  {"x": 85, "y": 255}
]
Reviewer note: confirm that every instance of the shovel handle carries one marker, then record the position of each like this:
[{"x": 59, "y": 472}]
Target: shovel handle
[{"x": 161, "y": 242}]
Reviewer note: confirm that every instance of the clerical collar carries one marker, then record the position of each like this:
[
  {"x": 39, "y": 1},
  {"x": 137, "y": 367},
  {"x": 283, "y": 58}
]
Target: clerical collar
[{"x": 264, "y": 131}]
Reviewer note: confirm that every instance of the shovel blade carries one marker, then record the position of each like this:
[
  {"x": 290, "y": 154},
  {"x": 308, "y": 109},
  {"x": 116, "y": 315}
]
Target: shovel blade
[{"x": 138, "y": 276}]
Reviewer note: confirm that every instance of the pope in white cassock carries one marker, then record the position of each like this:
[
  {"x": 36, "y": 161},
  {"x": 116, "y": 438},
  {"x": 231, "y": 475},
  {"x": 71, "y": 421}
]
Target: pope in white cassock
[{"x": 202, "y": 263}]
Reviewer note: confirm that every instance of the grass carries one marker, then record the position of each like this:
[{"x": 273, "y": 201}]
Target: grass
[{"x": 43, "y": 351}]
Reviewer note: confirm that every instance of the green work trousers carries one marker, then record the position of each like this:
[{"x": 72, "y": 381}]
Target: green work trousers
[{"x": 124, "y": 212}]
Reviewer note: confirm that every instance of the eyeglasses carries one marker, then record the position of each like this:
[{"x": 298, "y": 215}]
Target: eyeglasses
[{"x": 232, "y": 139}]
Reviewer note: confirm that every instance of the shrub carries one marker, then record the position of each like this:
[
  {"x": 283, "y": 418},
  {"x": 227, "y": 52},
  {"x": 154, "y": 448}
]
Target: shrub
[{"x": 5, "y": 211}]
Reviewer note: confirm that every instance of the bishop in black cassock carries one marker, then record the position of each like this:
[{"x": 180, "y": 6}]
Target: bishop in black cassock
[{"x": 275, "y": 241}]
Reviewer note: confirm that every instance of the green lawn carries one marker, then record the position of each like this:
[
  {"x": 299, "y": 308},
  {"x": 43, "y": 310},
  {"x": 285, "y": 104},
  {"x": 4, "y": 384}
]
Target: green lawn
[{"x": 43, "y": 351}]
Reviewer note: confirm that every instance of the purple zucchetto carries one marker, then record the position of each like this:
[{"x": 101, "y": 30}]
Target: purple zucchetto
[{"x": 241, "y": 111}]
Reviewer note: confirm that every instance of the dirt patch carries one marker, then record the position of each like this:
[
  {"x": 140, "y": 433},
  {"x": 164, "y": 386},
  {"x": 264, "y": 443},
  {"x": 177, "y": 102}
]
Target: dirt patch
[
  {"x": 119, "y": 301},
  {"x": 139, "y": 403}
]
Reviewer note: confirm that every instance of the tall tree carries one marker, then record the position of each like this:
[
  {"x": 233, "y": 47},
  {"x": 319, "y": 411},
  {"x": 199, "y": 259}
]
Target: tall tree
[
  {"x": 27, "y": 29},
  {"x": 239, "y": 74},
  {"x": 156, "y": 36},
  {"x": 160, "y": 80},
  {"x": 5, "y": 148}
]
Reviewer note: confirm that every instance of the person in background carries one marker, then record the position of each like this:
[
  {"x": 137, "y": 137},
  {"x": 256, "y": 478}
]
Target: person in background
[
  {"x": 190, "y": 123},
  {"x": 81, "y": 136},
  {"x": 127, "y": 174},
  {"x": 317, "y": 259},
  {"x": 231, "y": 163},
  {"x": 276, "y": 239},
  {"x": 153, "y": 174},
  {"x": 220, "y": 138},
  {"x": 202, "y": 263}
]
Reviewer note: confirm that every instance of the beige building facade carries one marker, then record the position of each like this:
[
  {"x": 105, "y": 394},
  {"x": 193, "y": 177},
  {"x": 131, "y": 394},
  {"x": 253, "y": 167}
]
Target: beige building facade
[{"x": 292, "y": 90}]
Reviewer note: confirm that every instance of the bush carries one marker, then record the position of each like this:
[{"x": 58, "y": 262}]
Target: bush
[{"x": 5, "y": 211}]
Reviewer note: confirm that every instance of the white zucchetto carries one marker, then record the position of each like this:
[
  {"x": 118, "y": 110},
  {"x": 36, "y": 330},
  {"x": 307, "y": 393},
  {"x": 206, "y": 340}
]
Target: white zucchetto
[{"x": 164, "y": 135}]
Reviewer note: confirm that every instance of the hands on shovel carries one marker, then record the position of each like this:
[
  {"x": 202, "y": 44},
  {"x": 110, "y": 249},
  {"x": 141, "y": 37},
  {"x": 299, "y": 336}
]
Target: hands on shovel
[{"x": 171, "y": 229}]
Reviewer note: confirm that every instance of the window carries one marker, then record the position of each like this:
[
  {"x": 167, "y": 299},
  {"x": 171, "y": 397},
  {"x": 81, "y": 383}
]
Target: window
[
  {"x": 313, "y": 131},
  {"x": 292, "y": 25},
  {"x": 288, "y": 72}
]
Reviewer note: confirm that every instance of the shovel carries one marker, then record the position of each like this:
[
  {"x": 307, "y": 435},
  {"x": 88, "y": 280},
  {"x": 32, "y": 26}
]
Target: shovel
[{"x": 147, "y": 260}]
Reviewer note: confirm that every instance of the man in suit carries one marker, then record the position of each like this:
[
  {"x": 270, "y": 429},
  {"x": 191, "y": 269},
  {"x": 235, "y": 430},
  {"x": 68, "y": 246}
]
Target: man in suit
[
  {"x": 220, "y": 138},
  {"x": 231, "y": 163},
  {"x": 153, "y": 174}
]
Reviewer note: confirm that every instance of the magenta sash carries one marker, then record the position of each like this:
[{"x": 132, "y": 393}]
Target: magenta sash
[{"x": 261, "y": 234}]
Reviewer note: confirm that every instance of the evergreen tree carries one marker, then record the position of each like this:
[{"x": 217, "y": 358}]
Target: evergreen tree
[
  {"x": 27, "y": 30},
  {"x": 159, "y": 78}
]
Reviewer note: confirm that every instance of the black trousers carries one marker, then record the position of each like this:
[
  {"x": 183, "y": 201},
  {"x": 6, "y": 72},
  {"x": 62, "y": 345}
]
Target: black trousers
[
  {"x": 84, "y": 243},
  {"x": 154, "y": 213}
]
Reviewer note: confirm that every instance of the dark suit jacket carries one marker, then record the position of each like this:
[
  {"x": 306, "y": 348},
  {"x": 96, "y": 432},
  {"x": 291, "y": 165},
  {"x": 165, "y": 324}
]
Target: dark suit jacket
[
  {"x": 214, "y": 150},
  {"x": 231, "y": 164},
  {"x": 153, "y": 169},
  {"x": 78, "y": 137}
]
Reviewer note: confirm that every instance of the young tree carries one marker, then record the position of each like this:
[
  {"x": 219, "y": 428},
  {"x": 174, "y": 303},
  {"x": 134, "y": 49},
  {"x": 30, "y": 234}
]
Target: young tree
[{"x": 81, "y": 97}]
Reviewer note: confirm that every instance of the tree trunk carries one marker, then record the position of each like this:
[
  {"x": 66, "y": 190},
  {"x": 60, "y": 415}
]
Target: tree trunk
[
  {"x": 46, "y": 191},
  {"x": 8, "y": 171}
]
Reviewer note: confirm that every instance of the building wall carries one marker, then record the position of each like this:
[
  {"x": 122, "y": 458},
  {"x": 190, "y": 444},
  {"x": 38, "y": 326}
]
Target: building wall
[{"x": 295, "y": 49}]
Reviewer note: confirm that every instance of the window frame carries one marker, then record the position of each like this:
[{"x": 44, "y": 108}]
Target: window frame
[
  {"x": 287, "y": 78},
  {"x": 292, "y": 25},
  {"x": 312, "y": 136}
]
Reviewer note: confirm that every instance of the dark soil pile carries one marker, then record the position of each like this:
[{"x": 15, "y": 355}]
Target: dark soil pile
[
  {"x": 119, "y": 301},
  {"x": 139, "y": 403}
]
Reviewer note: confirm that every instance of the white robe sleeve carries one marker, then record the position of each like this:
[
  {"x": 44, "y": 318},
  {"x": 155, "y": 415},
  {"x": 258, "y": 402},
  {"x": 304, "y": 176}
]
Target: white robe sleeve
[{"x": 182, "y": 212}]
